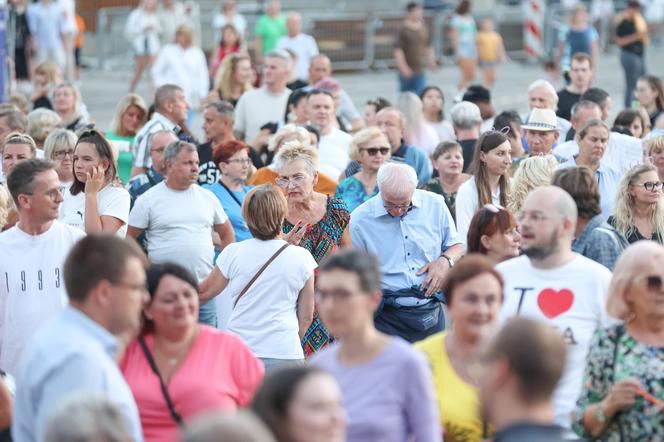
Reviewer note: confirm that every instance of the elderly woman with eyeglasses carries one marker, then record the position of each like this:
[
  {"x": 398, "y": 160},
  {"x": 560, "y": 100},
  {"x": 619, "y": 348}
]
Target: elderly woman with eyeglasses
[
  {"x": 638, "y": 212},
  {"x": 315, "y": 221},
  {"x": 370, "y": 148},
  {"x": 59, "y": 146},
  {"x": 623, "y": 389}
]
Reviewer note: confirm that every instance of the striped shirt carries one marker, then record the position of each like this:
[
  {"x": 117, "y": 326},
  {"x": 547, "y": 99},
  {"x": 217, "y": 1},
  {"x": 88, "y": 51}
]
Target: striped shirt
[{"x": 140, "y": 148}]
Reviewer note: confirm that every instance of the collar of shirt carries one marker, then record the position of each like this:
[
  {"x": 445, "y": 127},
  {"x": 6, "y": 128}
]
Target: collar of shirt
[
  {"x": 156, "y": 116},
  {"x": 401, "y": 151},
  {"x": 93, "y": 329},
  {"x": 379, "y": 208}
]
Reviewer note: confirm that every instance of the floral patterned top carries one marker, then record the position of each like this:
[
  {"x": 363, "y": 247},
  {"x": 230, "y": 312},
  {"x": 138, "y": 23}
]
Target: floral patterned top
[
  {"x": 433, "y": 185},
  {"x": 352, "y": 191},
  {"x": 320, "y": 240},
  {"x": 608, "y": 365}
]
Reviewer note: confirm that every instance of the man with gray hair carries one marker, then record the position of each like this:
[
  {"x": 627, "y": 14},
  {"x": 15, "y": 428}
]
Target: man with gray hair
[
  {"x": 87, "y": 416},
  {"x": 32, "y": 257},
  {"x": 267, "y": 103},
  {"x": 466, "y": 119},
  {"x": 170, "y": 108},
  {"x": 179, "y": 218},
  {"x": 157, "y": 142},
  {"x": 303, "y": 45},
  {"x": 554, "y": 285},
  {"x": 423, "y": 245},
  {"x": 542, "y": 95}
]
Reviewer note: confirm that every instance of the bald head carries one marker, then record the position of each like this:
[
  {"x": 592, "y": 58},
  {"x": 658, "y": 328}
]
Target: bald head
[
  {"x": 553, "y": 198},
  {"x": 293, "y": 24},
  {"x": 320, "y": 67}
]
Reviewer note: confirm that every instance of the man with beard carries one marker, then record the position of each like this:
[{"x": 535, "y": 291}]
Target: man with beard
[
  {"x": 552, "y": 284},
  {"x": 178, "y": 217}
]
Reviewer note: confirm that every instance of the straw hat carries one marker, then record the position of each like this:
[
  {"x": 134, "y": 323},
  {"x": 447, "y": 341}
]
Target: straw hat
[{"x": 544, "y": 120}]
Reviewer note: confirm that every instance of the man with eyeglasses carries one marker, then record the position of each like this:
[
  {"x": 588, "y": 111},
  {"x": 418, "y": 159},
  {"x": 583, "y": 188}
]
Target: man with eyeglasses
[
  {"x": 77, "y": 351},
  {"x": 552, "y": 284},
  {"x": 180, "y": 218},
  {"x": 32, "y": 254},
  {"x": 154, "y": 175},
  {"x": 413, "y": 234}
]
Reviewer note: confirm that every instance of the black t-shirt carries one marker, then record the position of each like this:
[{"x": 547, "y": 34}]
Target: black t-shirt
[
  {"x": 208, "y": 172},
  {"x": 468, "y": 147},
  {"x": 625, "y": 29},
  {"x": 636, "y": 235},
  {"x": 566, "y": 100}
]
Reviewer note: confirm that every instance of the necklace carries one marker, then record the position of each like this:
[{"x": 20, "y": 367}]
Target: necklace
[{"x": 175, "y": 360}]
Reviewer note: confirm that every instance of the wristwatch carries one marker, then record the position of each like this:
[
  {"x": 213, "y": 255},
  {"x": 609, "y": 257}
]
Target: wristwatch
[{"x": 450, "y": 261}]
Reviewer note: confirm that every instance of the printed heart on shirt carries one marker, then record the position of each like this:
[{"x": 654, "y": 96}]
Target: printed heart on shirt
[{"x": 555, "y": 302}]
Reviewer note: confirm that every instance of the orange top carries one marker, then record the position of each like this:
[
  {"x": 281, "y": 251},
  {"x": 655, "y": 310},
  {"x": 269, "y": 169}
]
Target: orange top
[
  {"x": 264, "y": 175},
  {"x": 80, "y": 24}
]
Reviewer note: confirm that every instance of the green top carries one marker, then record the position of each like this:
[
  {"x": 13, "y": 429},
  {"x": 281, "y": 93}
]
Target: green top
[
  {"x": 271, "y": 30},
  {"x": 125, "y": 158}
]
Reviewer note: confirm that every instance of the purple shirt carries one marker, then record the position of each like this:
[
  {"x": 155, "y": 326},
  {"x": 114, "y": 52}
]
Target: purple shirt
[{"x": 388, "y": 399}]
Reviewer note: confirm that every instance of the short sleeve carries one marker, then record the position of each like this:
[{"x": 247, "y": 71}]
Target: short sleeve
[
  {"x": 465, "y": 209},
  {"x": 139, "y": 216},
  {"x": 421, "y": 408},
  {"x": 226, "y": 259},
  {"x": 309, "y": 264},
  {"x": 594, "y": 36},
  {"x": 219, "y": 215},
  {"x": 240, "y": 124},
  {"x": 116, "y": 204},
  {"x": 260, "y": 27}
]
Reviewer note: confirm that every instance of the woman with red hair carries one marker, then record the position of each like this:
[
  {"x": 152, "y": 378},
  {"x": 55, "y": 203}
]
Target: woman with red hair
[
  {"x": 232, "y": 159},
  {"x": 493, "y": 232}
]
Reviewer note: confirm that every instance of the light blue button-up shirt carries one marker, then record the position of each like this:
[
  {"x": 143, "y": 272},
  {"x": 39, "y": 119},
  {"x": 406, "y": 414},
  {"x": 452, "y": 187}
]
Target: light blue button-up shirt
[
  {"x": 404, "y": 245},
  {"x": 608, "y": 180},
  {"x": 69, "y": 354}
]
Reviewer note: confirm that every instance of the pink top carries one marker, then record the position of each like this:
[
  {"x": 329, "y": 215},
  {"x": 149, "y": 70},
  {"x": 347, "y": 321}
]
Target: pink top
[{"x": 220, "y": 372}]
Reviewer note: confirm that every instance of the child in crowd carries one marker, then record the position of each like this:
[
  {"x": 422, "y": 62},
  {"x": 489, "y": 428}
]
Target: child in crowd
[{"x": 491, "y": 50}]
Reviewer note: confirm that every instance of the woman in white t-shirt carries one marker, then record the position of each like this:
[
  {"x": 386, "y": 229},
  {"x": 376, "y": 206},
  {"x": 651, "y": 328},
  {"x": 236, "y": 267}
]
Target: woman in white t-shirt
[
  {"x": 274, "y": 312},
  {"x": 95, "y": 202},
  {"x": 490, "y": 181}
]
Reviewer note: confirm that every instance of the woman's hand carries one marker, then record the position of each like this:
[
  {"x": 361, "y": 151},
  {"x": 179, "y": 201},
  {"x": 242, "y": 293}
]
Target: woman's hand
[
  {"x": 94, "y": 180},
  {"x": 296, "y": 234},
  {"x": 622, "y": 396}
]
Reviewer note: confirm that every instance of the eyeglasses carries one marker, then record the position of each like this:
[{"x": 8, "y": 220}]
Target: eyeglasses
[
  {"x": 402, "y": 207},
  {"x": 241, "y": 161},
  {"x": 296, "y": 181},
  {"x": 335, "y": 295},
  {"x": 372, "y": 151},
  {"x": 651, "y": 185},
  {"x": 136, "y": 287},
  {"x": 51, "y": 194},
  {"x": 61, "y": 154},
  {"x": 535, "y": 217}
]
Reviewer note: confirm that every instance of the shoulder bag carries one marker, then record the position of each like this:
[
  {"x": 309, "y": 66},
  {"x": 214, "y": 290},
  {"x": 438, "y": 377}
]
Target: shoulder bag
[{"x": 261, "y": 270}]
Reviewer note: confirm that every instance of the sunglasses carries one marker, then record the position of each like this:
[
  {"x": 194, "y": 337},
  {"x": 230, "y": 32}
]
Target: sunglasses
[{"x": 373, "y": 151}]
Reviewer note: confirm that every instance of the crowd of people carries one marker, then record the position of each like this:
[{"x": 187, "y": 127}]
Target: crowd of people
[{"x": 305, "y": 273}]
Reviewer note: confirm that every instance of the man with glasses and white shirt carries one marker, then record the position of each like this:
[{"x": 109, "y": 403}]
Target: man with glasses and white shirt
[
  {"x": 413, "y": 234},
  {"x": 552, "y": 284},
  {"x": 33, "y": 253}
]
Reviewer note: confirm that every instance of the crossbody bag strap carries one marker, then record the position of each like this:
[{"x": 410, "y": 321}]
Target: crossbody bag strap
[
  {"x": 171, "y": 407},
  {"x": 239, "y": 203},
  {"x": 261, "y": 270}
]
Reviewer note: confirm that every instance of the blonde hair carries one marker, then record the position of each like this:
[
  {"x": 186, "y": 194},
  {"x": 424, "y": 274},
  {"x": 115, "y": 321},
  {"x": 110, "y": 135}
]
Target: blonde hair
[
  {"x": 78, "y": 99},
  {"x": 361, "y": 138},
  {"x": 301, "y": 134},
  {"x": 623, "y": 212},
  {"x": 223, "y": 80},
  {"x": 59, "y": 138},
  {"x": 652, "y": 144},
  {"x": 41, "y": 122},
  {"x": 294, "y": 151},
  {"x": 630, "y": 264},
  {"x": 123, "y": 106},
  {"x": 264, "y": 210},
  {"x": 533, "y": 172},
  {"x": 51, "y": 71},
  {"x": 6, "y": 205}
]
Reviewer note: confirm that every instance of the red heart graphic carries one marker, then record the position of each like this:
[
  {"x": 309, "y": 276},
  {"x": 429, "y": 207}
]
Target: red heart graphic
[{"x": 554, "y": 303}]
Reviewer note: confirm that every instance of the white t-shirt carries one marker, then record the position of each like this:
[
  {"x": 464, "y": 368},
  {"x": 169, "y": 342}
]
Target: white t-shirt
[
  {"x": 622, "y": 152},
  {"x": 265, "y": 317},
  {"x": 570, "y": 298},
  {"x": 111, "y": 201},
  {"x": 32, "y": 288},
  {"x": 258, "y": 107},
  {"x": 305, "y": 49},
  {"x": 178, "y": 225},
  {"x": 333, "y": 152},
  {"x": 467, "y": 204},
  {"x": 186, "y": 68}
]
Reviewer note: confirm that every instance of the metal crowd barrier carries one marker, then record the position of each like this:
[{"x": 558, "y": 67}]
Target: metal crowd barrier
[{"x": 357, "y": 41}]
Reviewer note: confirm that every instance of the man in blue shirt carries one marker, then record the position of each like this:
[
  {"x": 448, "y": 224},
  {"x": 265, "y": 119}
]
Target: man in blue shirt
[
  {"x": 105, "y": 281},
  {"x": 413, "y": 234}
]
